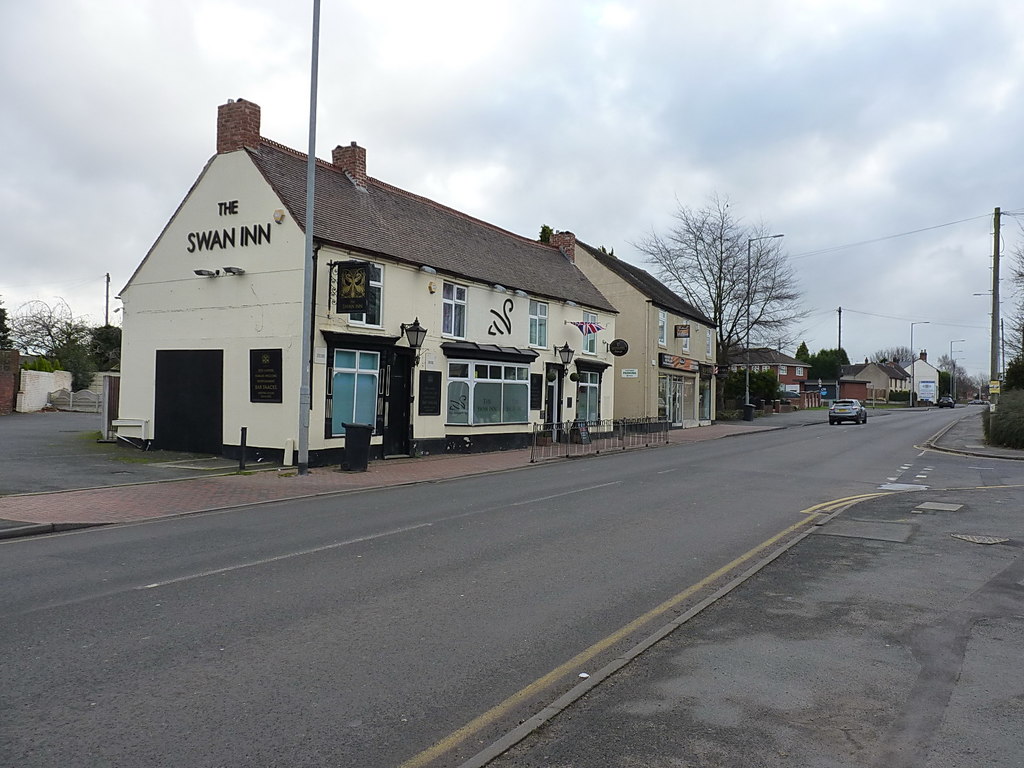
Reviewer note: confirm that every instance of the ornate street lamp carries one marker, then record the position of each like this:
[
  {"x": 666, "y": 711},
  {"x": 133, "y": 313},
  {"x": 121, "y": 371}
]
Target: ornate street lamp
[
  {"x": 565, "y": 353},
  {"x": 415, "y": 334}
]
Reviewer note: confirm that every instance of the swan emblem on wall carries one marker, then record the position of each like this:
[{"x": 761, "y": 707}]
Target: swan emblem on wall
[{"x": 502, "y": 324}]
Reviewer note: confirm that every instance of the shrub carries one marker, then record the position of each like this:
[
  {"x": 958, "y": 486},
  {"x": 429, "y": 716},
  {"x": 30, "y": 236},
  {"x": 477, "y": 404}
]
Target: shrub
[
  {"x": 42, "y": 364},
  {"x": 1006, "y": 424}
]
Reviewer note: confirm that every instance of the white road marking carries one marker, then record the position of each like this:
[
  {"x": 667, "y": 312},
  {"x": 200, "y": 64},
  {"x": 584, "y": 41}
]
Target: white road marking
[
  {"x": 567, "y": 493},
  {"x": 274, "y": 559}
]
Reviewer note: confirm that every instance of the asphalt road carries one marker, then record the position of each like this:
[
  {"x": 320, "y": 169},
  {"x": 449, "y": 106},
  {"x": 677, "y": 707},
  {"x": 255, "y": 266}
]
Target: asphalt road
[
  {"x": 367, "y": 628},
  {"x": 58, "y": 450}
]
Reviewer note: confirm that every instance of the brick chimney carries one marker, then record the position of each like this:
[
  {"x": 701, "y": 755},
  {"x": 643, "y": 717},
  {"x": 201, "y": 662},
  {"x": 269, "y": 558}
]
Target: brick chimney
[
  {"x": 924, "y": 355},
  {"x": 238, "y": 125},
  {"x": 566, "y": 243},
  {"x": 351, "y": 160}
]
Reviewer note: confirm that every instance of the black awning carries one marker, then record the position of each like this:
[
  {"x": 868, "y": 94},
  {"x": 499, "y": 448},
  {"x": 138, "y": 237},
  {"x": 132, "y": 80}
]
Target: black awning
[
  {"x": 594, "y": 366},
  {"x": 470, "y": 350},
  {"x": 359, "y": 340}
]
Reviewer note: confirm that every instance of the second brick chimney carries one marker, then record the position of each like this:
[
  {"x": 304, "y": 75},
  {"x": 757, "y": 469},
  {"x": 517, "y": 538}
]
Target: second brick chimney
[
  {"x": 238, "y": 125},
  {"x": 566, "y": 243},
  {"x": 351, "y": 160}
]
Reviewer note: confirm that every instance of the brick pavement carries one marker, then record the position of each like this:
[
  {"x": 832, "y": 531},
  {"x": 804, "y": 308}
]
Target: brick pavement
[{"x": 146, "y": 501}]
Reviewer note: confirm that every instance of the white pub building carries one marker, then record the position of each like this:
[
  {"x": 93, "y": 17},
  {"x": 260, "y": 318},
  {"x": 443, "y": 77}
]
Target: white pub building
[{"x": 463, "y": 336}]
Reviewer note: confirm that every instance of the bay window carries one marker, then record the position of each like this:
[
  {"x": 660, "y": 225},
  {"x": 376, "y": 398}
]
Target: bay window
[{"x": 488, "y": 393}]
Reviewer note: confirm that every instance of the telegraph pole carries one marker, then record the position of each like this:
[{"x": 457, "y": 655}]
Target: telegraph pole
[
  {"x": 994, "y": 349},
  {"x": 308, "y": 300},
  {"x": 840, "y": 328}
]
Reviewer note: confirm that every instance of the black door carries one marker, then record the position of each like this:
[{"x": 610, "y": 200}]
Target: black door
[
  {"x": 189, "y": 400},
  {"x": 397, "y": 389},
  {"x": 553, "y": 374}
]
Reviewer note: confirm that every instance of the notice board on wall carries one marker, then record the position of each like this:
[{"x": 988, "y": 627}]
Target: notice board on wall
[{"x": 430, "y": 393}]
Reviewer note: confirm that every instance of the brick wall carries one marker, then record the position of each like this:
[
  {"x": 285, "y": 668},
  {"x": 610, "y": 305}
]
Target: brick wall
[
  {"x": 36, "y": 387},
  {"x": 10, "y": 361}
]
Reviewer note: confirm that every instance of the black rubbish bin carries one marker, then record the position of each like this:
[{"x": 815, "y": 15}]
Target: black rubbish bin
[
  {"x": 357, "y": 447},
  {"x": 748, "y": 412}
]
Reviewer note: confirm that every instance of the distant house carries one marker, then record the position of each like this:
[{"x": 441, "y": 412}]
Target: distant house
[
  {"x": 882, "y": 379},
  {"x": 924, "y": 379},
  {"x": 790, "y": 372}
]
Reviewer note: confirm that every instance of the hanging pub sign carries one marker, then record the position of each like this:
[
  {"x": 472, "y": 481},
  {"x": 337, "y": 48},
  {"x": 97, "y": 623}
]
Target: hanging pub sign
[
  {"x": 265, "y": 374},
  {"x": 618, "y": 347},
  {"x": 683, "y": 331},
  {"x": 353, "y": 286}
]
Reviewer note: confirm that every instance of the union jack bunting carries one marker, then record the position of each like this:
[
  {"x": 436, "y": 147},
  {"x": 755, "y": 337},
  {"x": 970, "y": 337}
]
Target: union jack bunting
[{"x": 586, "y": 327}]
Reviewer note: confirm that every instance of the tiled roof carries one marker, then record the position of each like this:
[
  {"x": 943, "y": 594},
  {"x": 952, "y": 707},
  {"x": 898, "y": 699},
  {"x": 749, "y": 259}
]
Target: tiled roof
[
  {"x": 768, "y": 356},
  {"x": 648, "y": 285},
  {"x": 894, "y": 371},
  {"x": 384, "y": 221},
  {"x": 891, "y": 371}
]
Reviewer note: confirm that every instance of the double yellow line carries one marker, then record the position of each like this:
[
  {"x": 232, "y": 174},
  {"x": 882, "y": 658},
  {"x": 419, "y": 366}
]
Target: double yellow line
[{"x": 476, "y": 725}]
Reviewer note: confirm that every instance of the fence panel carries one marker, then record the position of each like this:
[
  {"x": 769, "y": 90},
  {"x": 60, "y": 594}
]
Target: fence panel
[{"x": 571, "y": 439}]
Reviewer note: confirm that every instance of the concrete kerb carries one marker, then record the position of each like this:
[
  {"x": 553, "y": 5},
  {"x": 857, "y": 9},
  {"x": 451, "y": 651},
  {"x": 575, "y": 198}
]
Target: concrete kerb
[
  {"x": 932, "y": 443},
  {"x": 578, "y": 691},
  {"x": 38, "y": 529}
]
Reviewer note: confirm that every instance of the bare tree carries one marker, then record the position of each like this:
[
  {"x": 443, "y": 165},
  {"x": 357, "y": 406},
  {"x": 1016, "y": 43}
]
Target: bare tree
[
  {"x": 1013, "y": 327},
  {"x": 703, "y": 257},
  {"x": 38, "y": 328},
  {"x": 902, "y": 355},
  {"x": 54, "y": 332}
]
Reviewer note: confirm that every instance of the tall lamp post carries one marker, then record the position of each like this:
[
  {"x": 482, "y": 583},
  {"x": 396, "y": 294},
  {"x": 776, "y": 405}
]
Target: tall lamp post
[
  {"x": 746, "y": 395},
  {"x": 913, "y": 359},
  {"x": 952, "y": 360}
]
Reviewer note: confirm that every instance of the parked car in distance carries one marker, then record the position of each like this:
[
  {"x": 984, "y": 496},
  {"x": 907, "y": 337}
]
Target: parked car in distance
[
  {"x": 976, "y": 402},
  {"x": 946, "y": 402},
  {"x": 847, "y": 410}
]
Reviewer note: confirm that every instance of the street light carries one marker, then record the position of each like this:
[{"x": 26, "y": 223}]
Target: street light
[
  {"x": 415, "y": 334},
  {"x": 952, "y": 377},
  {"x": 565, "y": 353},
  {"x": 746, "y": 395},
  {"x": 913, "y": 359}
]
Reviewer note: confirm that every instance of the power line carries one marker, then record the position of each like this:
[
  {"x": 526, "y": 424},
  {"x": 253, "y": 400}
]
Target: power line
[
  {"x": 908, "y": 319},
  {"x": 835, "y": 248}
]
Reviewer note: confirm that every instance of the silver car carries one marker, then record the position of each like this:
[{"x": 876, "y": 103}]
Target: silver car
[{"x": 847, "y": 410}]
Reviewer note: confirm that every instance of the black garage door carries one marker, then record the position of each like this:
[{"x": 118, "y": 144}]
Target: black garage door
[{"x": 189, "y": 400}]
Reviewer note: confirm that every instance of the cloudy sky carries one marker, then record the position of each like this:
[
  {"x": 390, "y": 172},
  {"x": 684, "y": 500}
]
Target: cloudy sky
[{"x": 837, "y": 123}]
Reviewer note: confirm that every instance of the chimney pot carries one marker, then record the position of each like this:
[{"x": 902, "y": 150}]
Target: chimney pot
[
  {"x": 566, "y": 243},
  {"x": 351, "y": 160},
  {"x": 238, "y": 125}
]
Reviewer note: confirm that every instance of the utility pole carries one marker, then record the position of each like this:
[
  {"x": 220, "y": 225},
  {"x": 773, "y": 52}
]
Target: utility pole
[
  {"x": 308, "y": 300},
  {"x": 994, "y": 350},
  {"x": 840, "y": 310},
  {"x": 106, "y": 306}
]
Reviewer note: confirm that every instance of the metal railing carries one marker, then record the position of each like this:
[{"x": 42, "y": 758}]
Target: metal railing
[{"x": 584, "y": 438}]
